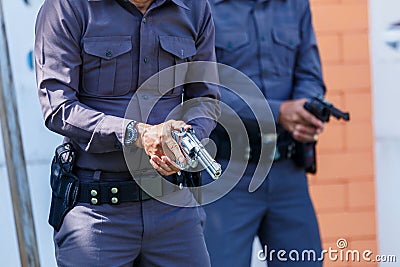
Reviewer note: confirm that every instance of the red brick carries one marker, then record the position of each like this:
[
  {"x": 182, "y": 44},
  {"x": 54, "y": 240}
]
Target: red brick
[
  {"x": 342, "y": 166},
  {"x": 332, "y": 138},
  {"x": 341, "y": 224},
  {"x": 330, "y": 48},
  {"x": 344, "y": 2},
  {"x": 344, "y": 183},
  {"x": 330, "y": 260},
  {"x": 329, "y": 197},
  {"x": 359, "y": 104},
  {"x": 359, "y": 136},
  {"x": 340, "y": 18},
  {"x": 361, "y": 195},
  {"x": 328, "y": 263},
  {"x": 324, "y": 2},
  {"x": 355, "y": 47},
  {"x": 347, "y": 77}
]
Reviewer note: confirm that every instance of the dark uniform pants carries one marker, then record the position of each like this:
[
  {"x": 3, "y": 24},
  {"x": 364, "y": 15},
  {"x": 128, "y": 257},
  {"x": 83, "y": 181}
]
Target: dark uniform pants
[
  {"x": 147, "y": 233},
  {"x": 280, "y": 212}
]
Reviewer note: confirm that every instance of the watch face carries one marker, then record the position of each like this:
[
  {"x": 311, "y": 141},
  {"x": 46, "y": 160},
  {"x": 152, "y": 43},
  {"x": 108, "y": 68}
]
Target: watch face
[{"x": 131, "y": 133}]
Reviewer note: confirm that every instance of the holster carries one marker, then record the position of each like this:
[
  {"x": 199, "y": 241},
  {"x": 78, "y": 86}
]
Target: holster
[
  {"x": 304, "y": 156},
  {"x": 64, "y": 185}
]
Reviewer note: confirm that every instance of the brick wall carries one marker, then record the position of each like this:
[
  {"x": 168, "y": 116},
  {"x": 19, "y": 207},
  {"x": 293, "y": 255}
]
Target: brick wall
[{"x": 344, "y": 189}]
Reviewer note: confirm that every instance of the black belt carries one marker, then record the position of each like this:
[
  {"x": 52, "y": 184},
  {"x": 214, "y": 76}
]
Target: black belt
[
  {"x": 284, "y": 149},
  {"x": 123, "y": 189},
  {"x": 98, "y": 193}
]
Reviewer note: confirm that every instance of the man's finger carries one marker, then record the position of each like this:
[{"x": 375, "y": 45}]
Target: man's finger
[
  {"x": 302, "y": 137},
  {"x": 159, "y": 169},
  {"x": 161, "y": 164},
  {"x": 177, "y": 125},
  {"x": 305, "y": 129},
  {"x": 171, "y": 163},
  {"x": 156, "y": 167},
  {"x": 309, "y": 118},
  {"x": 174, "y": 148}
]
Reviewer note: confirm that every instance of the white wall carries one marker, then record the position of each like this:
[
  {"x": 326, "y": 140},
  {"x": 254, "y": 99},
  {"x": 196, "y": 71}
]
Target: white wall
[
  {"x": 38, "y": 141},
  {"x": 386, "y": 96}
]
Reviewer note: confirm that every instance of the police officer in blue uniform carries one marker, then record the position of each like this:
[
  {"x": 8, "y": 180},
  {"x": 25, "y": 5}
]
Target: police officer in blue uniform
[
  {"x": 91, "y": 57},
  {"x": 272, "y": 42}
]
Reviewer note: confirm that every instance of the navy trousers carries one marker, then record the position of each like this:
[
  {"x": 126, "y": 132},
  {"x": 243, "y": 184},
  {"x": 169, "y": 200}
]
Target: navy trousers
[
  {"x": 145, "y": 234},
  {"x": 280, "y": 213}
]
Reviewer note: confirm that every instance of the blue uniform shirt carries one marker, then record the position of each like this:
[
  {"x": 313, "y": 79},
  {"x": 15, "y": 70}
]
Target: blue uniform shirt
[
  {"x": 272, "y": 42},
  {"x": 92, "y": 55}
]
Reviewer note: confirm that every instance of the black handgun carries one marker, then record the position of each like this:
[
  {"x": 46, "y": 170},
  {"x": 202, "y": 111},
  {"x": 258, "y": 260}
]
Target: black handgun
[
  {"x": 305, "y": 155},
  {"x": 323, "y": 109}
]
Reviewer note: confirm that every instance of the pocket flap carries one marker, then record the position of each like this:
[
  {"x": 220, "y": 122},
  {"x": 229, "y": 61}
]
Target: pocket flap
[
  {"x": 231, "y": 40},
  {"x": 178, "y": 46},
  {"x": 107, "y": 47},
  {"x": 286, "y": 37}
]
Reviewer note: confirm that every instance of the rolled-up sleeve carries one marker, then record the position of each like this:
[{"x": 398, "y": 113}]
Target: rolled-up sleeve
[
  {"x": 58, "y": 68},
  {"x": 203, "y": 114},
  {"x": 308, "y": 71}
]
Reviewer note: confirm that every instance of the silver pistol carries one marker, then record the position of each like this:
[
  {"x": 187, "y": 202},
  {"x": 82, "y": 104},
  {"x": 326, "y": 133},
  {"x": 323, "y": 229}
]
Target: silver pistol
[{"x": 194, "y": 152}]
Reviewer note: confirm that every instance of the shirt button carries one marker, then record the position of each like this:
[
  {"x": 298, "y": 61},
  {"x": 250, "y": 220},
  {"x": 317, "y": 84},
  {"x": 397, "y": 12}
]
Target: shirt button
[
  {"x": 146, "y": 60},
  {"x": 144, "y": 20},
  {"x": 108, "y": 53},
  {"x": 263, "y": 38},
  {"x": 145, "y": 97}
]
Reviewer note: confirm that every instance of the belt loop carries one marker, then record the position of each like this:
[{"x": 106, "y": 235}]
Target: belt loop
[{"x": 96, "y": 175}]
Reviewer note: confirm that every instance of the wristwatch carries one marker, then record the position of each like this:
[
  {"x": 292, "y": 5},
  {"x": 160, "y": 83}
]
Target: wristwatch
[{"x": 131, "y": 134}]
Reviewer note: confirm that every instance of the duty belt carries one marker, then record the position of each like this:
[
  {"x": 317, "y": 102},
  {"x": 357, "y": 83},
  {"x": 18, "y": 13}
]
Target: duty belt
[
  {"x": 284, "y": 149},
  {"x": 98, "y": 193},
  {"x": 116, "y": 191}
]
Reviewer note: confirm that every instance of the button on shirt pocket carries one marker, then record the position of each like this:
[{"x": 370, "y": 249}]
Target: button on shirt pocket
[
  {"x": 229, "y": 45},
  {"x": 107, "y": 65},
  {"x": 286, "y": 42},
  {"x": 174, "y": 50}
]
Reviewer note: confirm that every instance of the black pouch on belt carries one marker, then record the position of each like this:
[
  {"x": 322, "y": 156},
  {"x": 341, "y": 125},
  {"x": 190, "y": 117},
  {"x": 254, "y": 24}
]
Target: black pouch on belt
[
  {"x": 64, "y": 185},
  {"x": 305, "y": 157}
]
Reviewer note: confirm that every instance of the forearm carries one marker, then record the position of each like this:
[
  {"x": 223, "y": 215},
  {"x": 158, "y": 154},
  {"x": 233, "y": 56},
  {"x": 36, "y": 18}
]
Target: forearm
[{"x": 93, "y": 131}]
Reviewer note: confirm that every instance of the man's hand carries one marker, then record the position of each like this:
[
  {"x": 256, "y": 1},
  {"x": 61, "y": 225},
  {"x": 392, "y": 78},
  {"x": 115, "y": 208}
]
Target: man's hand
[
  {"x": 161, "y": 147},
  {"x": 303, "y": 126}
]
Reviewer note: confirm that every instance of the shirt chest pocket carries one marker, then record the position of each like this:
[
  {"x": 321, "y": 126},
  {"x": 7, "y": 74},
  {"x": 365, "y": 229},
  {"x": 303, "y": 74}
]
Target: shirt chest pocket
[
  {"x": 229, "y": 46},
  {"x": 284, "y": 49},
  {"x": 107, "y": 65},
  {"x": 173, "y": 51}
]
